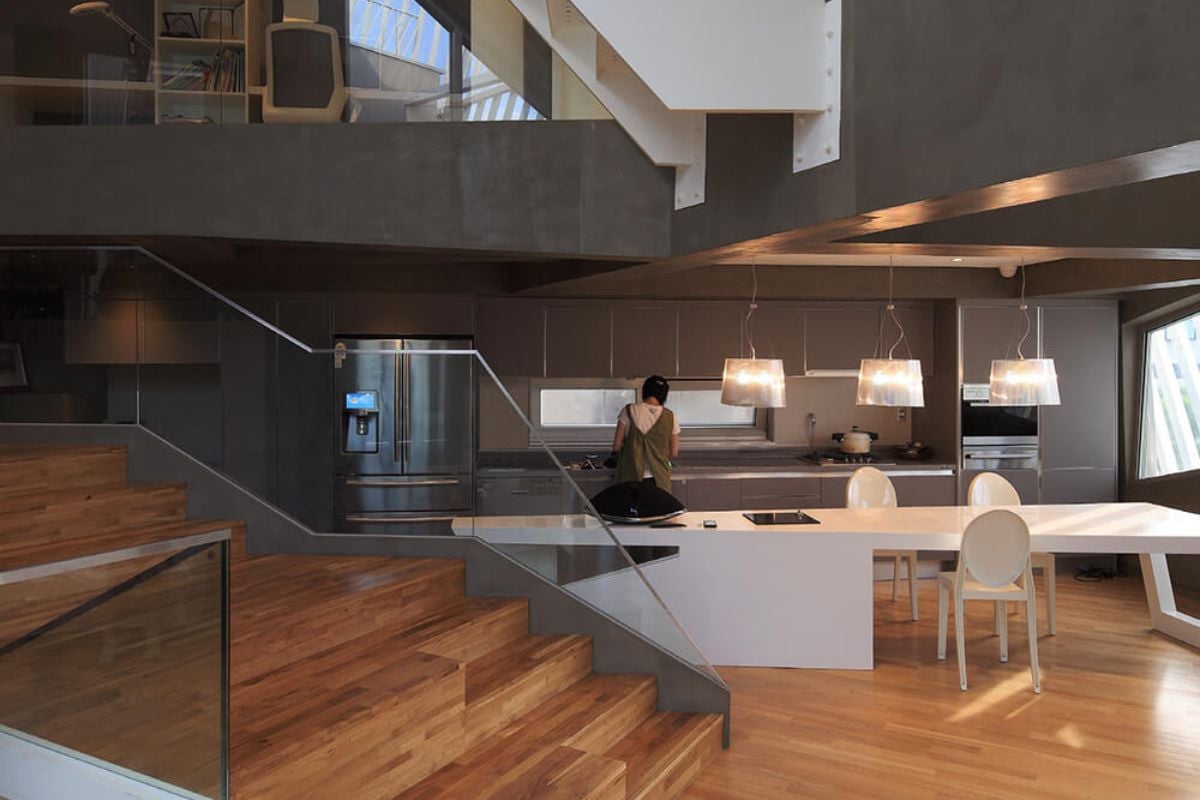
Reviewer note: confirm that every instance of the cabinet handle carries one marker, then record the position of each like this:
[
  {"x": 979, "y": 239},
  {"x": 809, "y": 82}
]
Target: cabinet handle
[
  {"x": 379, "y": 520},
  {"x": 397, "y": 483},
  {"x": 519, "y": 491},
  {"x": 999, "y": 456}
]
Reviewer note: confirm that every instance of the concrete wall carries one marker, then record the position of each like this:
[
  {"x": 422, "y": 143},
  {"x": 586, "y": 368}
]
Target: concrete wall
[
  {"x": 940, "y": 96},
  {"x": 566, "y": 188}
]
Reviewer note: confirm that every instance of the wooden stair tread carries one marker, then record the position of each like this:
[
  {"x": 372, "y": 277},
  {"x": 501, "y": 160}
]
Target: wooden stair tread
[
  {"x": 27, "y": 468},
  {"x": 367, "y": 652},
  {"x": 328, "y": 573},
  {"x": 15, "y": 555},
  {"x": 492, "y": 672},
  {"x": 516, "y": 678},
  {"x": 665, "y": 752},
  {"x": 591, "y": 716},
  {"x": 560, "y": 773},
  {"x": 14, "y": 451},
  {"x": 41, "y": 499}
]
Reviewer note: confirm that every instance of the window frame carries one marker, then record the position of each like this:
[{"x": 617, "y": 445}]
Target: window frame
[
  {"x": 601, "y": 435},
  {"x": 1144, "y": 330}
]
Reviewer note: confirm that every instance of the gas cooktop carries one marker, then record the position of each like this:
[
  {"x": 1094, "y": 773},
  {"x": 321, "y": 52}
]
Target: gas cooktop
[{"x": 836, "y": 458}]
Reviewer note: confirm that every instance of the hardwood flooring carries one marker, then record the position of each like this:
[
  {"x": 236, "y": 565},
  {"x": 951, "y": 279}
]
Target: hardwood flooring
[{"x": 1118, "y": 717}]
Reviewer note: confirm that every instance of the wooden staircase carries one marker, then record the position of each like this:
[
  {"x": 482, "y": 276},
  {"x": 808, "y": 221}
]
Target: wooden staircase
[{"x": 366, "y": 677}]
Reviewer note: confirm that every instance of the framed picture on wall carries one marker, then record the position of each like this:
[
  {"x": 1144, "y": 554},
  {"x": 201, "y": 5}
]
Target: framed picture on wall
[
  {"x": 180, "y": 24},
  {"x": 216, "y": 23},
  {"x": 12, "y": 367}
]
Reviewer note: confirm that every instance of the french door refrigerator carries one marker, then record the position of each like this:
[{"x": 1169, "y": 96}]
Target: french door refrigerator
[{"x": 405, "y": 438}]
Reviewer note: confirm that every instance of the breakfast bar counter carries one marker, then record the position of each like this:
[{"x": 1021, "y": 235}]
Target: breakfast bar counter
[{"x": 801, "y": 595}]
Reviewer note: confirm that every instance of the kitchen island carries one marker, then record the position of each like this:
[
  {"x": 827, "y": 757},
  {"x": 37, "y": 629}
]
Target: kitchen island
[{"x": 801, "y": 595}]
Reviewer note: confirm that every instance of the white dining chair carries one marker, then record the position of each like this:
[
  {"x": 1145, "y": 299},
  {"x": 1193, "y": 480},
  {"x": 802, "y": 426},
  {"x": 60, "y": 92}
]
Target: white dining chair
[
  {"x": 990, "y": 489},
  {"x": 993, "y": 564},
  {"x": 869, "y": 487}
]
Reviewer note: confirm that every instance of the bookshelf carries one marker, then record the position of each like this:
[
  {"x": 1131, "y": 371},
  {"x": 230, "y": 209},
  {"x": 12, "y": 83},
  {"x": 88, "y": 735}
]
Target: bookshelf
[{"x": 212, "y": 78}]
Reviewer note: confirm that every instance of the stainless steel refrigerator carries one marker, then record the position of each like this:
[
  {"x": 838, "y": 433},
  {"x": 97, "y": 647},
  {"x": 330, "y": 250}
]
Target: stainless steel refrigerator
[{"x": 405, "y": 444}]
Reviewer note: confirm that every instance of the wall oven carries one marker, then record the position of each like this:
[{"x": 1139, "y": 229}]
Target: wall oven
[{"x": 997, "y": 437}]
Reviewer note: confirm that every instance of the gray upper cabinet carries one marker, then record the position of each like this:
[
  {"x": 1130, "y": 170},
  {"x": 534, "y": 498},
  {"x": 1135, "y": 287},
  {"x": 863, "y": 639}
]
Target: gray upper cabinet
[
  {"x": 778, "y": 332},
  {"x": 918, "y": 335},
  {"x": 578, "y": 340},
  {"x": 709, "y": 333},
  {"x": 511, "y": 334},
  {"x": 839, "y": 338},
  {"x": 988, "y": 333},
  {"x": 1082, "y": 432},
  {"x": 643, "y": 339}
]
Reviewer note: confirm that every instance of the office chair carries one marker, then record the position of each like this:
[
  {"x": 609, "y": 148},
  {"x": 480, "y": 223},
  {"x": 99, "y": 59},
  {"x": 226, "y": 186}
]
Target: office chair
[{"x": 304, "y": 68}]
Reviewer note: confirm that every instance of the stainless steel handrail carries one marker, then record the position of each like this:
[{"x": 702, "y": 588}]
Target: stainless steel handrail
[{"x": 51, "y": 568}]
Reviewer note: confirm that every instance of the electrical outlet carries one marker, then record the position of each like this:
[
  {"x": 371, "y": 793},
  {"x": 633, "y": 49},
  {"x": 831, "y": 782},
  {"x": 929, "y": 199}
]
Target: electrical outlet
[{"x": 901, "y": 414}]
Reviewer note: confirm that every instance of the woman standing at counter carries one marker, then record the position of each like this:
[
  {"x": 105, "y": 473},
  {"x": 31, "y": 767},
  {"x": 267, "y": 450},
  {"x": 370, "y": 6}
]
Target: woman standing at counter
[{"x": 647, "y": 436}]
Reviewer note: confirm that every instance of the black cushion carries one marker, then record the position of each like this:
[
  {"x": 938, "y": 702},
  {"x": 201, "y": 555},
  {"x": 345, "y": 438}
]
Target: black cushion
[
  {"x": 303, "y": 68},
  {"x": 636, "y": 502}
]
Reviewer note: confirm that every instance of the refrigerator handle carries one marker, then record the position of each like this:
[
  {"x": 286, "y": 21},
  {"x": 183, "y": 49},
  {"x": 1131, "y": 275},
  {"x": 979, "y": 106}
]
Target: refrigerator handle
[{"x": 402, "y": 409}]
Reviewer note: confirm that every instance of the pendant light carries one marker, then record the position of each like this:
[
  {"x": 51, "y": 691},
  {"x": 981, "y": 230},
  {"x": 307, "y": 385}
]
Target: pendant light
[
  {"x": 1023, "y": 381},
  {"x": 753, "y": 381},
  {"x": 891, "y": 381}
]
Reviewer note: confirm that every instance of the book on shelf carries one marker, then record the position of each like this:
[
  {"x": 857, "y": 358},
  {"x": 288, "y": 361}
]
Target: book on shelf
[{"x": 225, "y": 73}]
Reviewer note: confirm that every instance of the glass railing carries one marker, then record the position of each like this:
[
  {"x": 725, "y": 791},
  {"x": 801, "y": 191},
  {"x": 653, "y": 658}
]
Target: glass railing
[
  {"x": 113, "y": 672},
  {"x": 200, "y": 62},
  {"x": 347, "y": 426}
]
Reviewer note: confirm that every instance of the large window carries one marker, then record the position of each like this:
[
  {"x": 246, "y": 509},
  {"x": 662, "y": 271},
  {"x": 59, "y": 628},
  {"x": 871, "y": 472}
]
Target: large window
[
  {"x": 1171, "y": 400},
  {"x": 568, "y": 412}
]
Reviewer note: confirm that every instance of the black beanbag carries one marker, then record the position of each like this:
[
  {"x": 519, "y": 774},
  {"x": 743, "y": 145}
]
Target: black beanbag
[{"x": 636, "y": 502}]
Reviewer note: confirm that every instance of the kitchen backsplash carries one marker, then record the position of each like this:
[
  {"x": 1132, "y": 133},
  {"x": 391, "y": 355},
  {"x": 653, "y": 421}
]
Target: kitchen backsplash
[{"x": 832, "y": 401}]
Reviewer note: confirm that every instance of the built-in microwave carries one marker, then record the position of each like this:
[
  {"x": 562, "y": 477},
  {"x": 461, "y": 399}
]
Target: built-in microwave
[{"x": 997, "y": 437}]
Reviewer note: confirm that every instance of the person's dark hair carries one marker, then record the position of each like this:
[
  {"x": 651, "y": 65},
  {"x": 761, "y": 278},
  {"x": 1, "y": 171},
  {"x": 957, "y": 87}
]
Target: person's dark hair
[{"x": 656, "y": 386}]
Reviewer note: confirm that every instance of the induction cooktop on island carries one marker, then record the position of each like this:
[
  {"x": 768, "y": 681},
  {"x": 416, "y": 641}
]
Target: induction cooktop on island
[{"x": 780, "y": 518}]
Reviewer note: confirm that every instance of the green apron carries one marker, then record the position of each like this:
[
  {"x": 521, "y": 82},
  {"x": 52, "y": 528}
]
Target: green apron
[{"x": 650, "y": 450}]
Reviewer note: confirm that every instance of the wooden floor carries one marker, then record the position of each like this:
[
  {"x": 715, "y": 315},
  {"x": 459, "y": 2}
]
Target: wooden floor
[{"x": 1118, "y": 717}]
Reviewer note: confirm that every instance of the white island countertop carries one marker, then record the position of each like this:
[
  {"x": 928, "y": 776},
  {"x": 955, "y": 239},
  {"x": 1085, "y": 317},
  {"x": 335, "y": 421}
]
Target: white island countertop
[
  {"x": 1081, "y": 528},
  {"x": 800, "y": 595}
]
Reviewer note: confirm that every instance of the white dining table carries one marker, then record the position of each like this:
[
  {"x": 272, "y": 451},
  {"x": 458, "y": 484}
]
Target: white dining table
[{"x": 802, "y": 595}]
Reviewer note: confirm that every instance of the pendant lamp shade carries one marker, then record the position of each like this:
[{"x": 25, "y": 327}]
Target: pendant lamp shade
[
  {"x": 891, "y": 382},
  {"x": 757, "y": 382},
  {"x": 1024, "y": 382}
]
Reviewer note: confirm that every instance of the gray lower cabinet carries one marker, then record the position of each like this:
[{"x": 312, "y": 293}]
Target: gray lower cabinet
[
  {"x": 926, "y": 490},
  {"x": 519, "y": 496},
  {"x": 833, "y": 491},
  {"x": 1082, "y": 485},
  {"x": 1025, "y": 481},
  {"x": 911, "y": 490},
  {"x": 780, "y": 493},
  {"x": 713, "y": 494}
]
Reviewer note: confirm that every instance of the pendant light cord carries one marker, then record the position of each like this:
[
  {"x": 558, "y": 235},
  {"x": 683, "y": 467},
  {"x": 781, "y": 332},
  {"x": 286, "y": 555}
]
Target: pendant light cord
[
  {"x": 748, "y": 324},
  {"x": 1025, "y": 312},
  {"x": 1024, "y": 317},
  {"x": 891, "y": 309}
]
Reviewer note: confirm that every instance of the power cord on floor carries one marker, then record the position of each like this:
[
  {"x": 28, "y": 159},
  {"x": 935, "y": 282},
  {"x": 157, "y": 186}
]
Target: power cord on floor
[{"x": 1096, "y": 574}]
